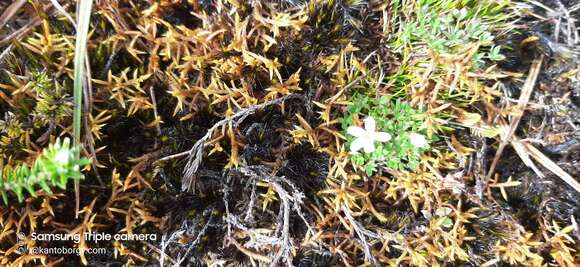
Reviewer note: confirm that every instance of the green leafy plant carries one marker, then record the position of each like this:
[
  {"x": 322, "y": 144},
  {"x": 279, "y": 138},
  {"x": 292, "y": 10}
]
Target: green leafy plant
[
  {"x": 400, "y": 121},
  {"x": 450, "y": 27},
  {"x": 53, "y": 168}
]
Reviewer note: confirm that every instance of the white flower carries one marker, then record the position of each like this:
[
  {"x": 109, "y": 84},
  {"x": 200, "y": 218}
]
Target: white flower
[
  {"x": 365, "y": 138},
  {"x": 62, "y": 157},
  {"x": 418, "y": 140}
]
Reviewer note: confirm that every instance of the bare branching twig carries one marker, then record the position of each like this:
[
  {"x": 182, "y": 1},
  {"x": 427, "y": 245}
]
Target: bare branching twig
[{"x": 195, "y": 154}]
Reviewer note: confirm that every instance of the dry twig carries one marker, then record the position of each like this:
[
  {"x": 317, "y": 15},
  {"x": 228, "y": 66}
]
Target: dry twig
[
  {"x": 362, "y": 233},
  {"x": 196, "y": 152}
]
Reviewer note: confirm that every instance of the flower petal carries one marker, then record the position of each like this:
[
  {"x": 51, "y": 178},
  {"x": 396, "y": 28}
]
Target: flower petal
[
  {"x": 356, "y": 131},
  {"x": 369, "y": 146},
  {"x": 370, "y": 124},
  {"x": 418, "y": 140},
  {"x": 381, "y": 136},
  {"x": 357, "y": 144}
]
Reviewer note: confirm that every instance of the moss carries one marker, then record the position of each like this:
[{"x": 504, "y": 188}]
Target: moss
[{"x": 221, "y": 126}]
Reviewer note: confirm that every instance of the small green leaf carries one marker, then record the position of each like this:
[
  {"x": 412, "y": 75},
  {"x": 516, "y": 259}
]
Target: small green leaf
[
  {"x": 447, "y": 222},
  {"x": 442, "y": 212}
]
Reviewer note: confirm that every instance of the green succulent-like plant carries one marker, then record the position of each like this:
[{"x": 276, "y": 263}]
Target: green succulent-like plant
[
  {"x": 394, "y": 117},
  {"x": 55, "y": 166}
]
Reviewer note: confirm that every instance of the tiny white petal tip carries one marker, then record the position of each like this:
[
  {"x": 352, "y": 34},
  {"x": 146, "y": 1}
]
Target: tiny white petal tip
[{"x": 418, "y": 140}]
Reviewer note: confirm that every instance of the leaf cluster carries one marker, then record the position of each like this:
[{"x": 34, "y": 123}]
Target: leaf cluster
[
  {"x": 395, "y": 117},
  {"x": 451, "y": 27},
  {"x": 55, "y": 166}
]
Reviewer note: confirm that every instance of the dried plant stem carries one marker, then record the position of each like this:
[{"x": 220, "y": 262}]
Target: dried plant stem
[
  {"x": 249, "y": 253},
  {"x": 5, "y": 53},
  {"x": 362, "y": 234},
  {"x": 164, "y": 244},
  {"x": 161, "y": 253},
  {"x": 515, "y": 120},
  {"x": 21, "y": 32},
  {"x": 10, "y": 12},
  {"x": 155, "y": 112},
  {"x": 550, "y": 165},
  {"x": 196, "y": 152},
  {"x": 18, "y": 34},
  {"x": 200, "y": 234},
  {"x": 290, "y": 200}
]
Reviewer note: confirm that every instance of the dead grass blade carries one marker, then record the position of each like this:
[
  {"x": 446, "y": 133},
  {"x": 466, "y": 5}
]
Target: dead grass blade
[
  {"x": 21, "y": 32},
  {"x": 515, "y": 119},
  {"x": 62, "y": 10},
  {"x": 524, "y": 154},
  {"x": 550, "y": 165},
  {"x": 10, "y": 12}
]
